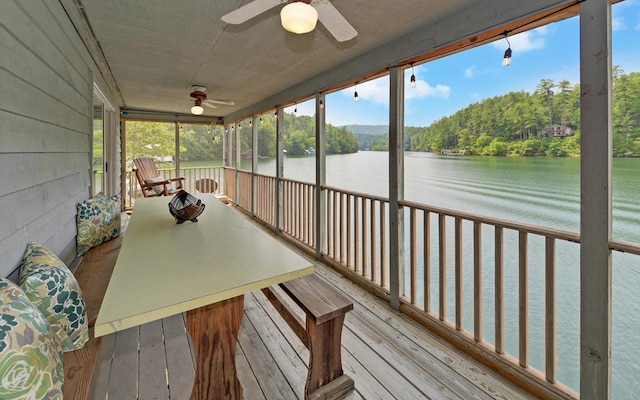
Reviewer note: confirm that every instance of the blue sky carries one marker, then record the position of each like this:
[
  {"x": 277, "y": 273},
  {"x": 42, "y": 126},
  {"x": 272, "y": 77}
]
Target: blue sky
[{"x": 452, "y": 83}]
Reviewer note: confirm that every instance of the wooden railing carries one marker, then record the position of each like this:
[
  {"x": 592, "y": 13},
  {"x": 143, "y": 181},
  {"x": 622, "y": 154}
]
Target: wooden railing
[
  {"x": 357, "y": 234},
  {"x": 266, "y": 199},
  {"x": 245, "y": 190},
  {"x": 191, "y": 174},
  {"x": 299, "y": 211},
  {"x": 429, "y": 248},
  {"x": 453, "y": 262}
]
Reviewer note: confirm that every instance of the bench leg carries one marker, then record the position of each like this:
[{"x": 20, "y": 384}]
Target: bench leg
[
  {"x": 214, "y": 333},
  {"x": 326, "y": 380}
]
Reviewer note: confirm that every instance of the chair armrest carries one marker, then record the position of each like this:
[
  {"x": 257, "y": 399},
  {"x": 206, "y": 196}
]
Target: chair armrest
[{"x": 152, "y": 184}]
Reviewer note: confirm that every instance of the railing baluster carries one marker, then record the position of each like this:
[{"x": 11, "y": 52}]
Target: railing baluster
[
  {"x": 442, "y": 239},
  {"x": 348, "y": 262},
  {"x": 477, "y": 281},
  {"x": 426, "y": 291},
  {"x": 356, "y": 232},
  {"x": 373, "y": 270},
  {"x": 499, "y": 290},
  {"x": 459, "y": 274},
  {"x": 523, "y": 315},
  {"x": 550, "y": 310},
  {"x": 343, "y": 224},
  {"x": 364, "y": 236},
  {"x": 413, "y": 254},
  {"x": 384, "y": 279},
  {"x": 336, "y": 224}
]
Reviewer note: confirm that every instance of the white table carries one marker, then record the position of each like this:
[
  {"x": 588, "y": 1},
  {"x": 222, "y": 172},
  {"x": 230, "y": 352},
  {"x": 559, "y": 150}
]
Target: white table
[{"x": 203, "y": 268}]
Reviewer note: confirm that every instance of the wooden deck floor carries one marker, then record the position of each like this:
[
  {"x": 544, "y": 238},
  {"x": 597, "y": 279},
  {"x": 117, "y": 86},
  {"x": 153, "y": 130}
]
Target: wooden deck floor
[{"x": 387, "y": 355}]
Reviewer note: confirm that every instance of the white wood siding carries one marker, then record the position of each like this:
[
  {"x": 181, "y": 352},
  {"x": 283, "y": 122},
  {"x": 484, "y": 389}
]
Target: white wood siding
[{"x": 45, "y": 129}]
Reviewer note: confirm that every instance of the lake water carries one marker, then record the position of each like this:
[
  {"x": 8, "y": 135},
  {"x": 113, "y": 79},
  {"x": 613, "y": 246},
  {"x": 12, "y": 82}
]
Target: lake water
[{"x": 538, "y": 190}]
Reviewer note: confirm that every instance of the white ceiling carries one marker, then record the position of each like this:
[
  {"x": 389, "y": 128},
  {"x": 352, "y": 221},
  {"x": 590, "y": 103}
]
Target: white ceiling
[{"x": 156, "y": 49}]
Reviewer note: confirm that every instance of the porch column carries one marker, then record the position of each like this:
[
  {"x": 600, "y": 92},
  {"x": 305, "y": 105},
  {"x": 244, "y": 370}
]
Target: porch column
[
  {"x": 254, "y": 165},
  {"x": 595, "y": 198},
  {"x": 396, "y": 185},
  {"x": 238, "y": 155},
  {"x": 177, "y": 153},
  {"x": 279, "y": 167},
  {"x": 321, "y": 177}
]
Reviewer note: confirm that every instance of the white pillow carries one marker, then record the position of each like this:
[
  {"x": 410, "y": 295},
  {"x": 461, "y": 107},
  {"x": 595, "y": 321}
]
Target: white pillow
[{"x": 159, "y": 189}]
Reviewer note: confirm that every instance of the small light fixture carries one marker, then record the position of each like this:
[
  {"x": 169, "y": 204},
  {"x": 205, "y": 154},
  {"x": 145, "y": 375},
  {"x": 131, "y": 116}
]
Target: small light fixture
[
  {"x": 298, "y": 17},
  {"x": 413, "y": 77},
  {"x": 260, "y": 119},
  {"x": 356, "y": 98},
  {"x": 250, "y": 122},
  {"x": 506, "y": 61},
  {"x": 198, "y": 94},
  {"x": 295, "y": 110},
  {"x": 275, "y": 114},
  {"x": 321, "y": 104},
  {"x": 197, "y": 108}
]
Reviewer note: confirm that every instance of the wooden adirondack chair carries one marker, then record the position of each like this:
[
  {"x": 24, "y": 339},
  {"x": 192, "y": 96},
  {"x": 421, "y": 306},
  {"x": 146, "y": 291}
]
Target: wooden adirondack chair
[{"x": 150, "y": 180}]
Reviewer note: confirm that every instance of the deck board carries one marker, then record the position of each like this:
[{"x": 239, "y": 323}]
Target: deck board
[
  {"x": 461, "y": 364},
  {"x": 180, "y": 368},
  {"x": 152, "y": 379}
]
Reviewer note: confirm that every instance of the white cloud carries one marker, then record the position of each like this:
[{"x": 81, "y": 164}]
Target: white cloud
[
  {"x": 470, "y": 72},
  {"x": 525, "y": 41},
  {"x": 617, "y": 24},
  {"x": 377, "y": 90}
]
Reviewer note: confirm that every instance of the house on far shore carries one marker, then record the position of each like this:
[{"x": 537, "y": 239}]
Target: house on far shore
[{"x": 558, "y": 131}]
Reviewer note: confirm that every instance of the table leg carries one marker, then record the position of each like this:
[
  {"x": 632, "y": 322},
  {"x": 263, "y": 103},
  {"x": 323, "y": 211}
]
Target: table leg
[{"x": 214, "y": 333}]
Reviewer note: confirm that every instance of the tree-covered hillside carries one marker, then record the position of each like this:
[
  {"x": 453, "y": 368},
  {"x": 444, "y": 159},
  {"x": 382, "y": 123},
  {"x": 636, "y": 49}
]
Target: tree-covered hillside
[
  {"x": 299, "y": 136},
  {"x": 198, "y": 143},
  {"x": 521, "y": 123}
]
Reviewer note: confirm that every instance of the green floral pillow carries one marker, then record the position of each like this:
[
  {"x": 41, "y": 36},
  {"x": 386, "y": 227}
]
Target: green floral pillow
[
  {"x": 98, "y": 221},
  {"x": 30, "y": 353},
  {"x": 52, "y": 288}
]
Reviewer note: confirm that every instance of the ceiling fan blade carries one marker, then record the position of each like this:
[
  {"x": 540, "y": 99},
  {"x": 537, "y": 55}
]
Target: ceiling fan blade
[
  {"x": 335, "y": 22},
  {"x": 221, "y": 102},
  {"x": 206, "y": 104},
  {"x": 250, "y": 10}
]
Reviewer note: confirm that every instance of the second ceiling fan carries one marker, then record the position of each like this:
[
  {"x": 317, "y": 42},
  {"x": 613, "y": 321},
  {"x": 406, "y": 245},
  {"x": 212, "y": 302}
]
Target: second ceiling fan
[{"x": 298, "y": 16}]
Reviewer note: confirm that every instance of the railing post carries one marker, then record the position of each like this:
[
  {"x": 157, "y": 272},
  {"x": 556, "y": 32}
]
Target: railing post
[
  {"x": 177, "y": 151},
  {"x": 321, "y": 178},
  {"x": 254, "y": 165},
  {"x": 279, "y": 168},
  {"x": 396, "y": 185},
  {"x": 595, "y": 200},
  {"x": 238, "y": 163}
]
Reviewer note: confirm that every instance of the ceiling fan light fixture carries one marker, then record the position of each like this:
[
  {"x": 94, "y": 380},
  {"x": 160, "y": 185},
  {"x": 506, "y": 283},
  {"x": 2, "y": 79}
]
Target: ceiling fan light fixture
[
  {"x": 197, "y": 108},
  {"x": 298, "y": 17}
]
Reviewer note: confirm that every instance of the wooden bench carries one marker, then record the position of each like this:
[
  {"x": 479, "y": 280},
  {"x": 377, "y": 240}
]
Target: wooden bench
[
  {"x": 325, "y": 310},
  {"x": 93, "y": 274}
]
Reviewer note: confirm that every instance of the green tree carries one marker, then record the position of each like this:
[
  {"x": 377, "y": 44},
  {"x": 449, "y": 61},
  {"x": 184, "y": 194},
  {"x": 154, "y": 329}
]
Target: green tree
[{"x": 150, "y": 139}]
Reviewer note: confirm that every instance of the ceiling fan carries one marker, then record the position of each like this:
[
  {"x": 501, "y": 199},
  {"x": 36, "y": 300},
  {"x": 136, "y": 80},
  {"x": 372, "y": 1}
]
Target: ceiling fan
[
  {"x": 296, "y": 13},
  {"x": 198, "y": 93}
]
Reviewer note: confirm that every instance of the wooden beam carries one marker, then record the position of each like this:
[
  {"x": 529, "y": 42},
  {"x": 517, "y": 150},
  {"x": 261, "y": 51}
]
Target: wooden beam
[
  {"x": 396, "y": 185},
  {"x": 254, "y": 164},
  {"x": 595, "y": 200},
  {"x": 279, "y": 168},
  {"x": 321, "y": 178}
]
